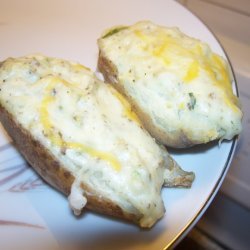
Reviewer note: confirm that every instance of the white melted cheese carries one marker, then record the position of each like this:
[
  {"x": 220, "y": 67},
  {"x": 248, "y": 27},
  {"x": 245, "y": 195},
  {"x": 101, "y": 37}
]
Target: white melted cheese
[
  {"x": 176, "y": 79},
  {"x": 77, "y": 200},
  {"x": 90, "y": 128}
]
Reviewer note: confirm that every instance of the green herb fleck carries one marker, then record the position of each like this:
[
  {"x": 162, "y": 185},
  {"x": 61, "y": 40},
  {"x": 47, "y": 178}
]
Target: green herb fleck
[
  {"x": 192, "y": 102},
  {"x": 114, "y": 31}
]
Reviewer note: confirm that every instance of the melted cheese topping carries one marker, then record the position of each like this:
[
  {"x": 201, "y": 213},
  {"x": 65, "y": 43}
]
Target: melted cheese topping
[
  {"x": 128, "y": 112},
  {"x": 77, "y": 200},
  {"x": 177, "y": 79},
  {"x": 90, "y": 128},
  {"x": 56, "y": 139}
]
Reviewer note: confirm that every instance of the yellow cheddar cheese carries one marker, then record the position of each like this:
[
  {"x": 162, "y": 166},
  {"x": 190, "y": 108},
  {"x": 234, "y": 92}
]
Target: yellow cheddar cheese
[{"x": 181, "y": 89}]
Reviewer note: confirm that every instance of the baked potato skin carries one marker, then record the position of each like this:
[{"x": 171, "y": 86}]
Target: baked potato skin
[
  {"x": 175, "y": 139},
  {"x": 53, "y": 172}
]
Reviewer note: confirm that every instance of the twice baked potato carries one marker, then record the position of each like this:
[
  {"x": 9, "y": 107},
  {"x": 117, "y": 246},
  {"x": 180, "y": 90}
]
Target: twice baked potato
[
  {"x": 82, "y": 137},
  {"x": 179, "y": 88}
]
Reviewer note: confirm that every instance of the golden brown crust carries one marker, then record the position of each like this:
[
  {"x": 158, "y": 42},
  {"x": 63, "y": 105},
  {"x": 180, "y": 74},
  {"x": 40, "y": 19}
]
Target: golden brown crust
[
  {"x": 53, "y": 172},
  {"x": 172, "y": 139}
]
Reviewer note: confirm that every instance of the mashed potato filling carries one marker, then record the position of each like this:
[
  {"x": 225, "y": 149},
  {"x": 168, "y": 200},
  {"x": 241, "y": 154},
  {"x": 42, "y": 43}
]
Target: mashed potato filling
[
  {"x": 90, "y": 129},
  {"x": 177, "y": 80}
]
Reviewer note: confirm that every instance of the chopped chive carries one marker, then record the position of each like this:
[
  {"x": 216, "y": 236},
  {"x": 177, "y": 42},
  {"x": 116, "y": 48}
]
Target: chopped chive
[
  {"x": 114, "y": 31},
  {"x": 192, "y": 102}
]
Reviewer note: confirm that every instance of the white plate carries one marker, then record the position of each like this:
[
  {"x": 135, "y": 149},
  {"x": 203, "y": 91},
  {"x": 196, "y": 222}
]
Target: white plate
[{"x": 69, "y": 29}]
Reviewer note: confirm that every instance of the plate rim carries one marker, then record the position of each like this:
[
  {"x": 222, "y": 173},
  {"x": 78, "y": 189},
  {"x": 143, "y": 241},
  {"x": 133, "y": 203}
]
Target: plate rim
[{"x": 189, "y": 226}]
